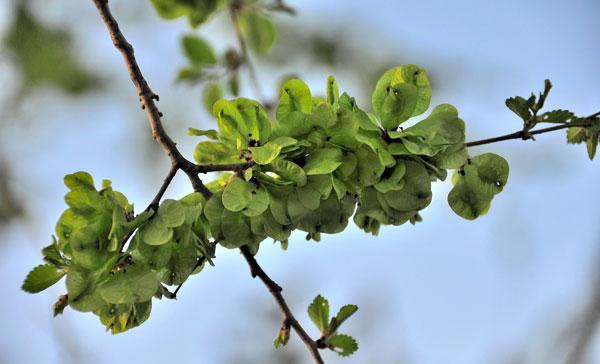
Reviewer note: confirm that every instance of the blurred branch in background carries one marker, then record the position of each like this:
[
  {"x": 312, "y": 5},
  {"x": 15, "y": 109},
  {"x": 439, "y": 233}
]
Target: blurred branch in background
[
  {"x": 11, "y": 207},
  {"x": 586, "y": 324}
]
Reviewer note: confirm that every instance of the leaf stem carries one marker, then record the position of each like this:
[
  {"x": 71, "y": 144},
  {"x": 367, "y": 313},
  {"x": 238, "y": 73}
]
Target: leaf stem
[{"x": 275, "y": 289}]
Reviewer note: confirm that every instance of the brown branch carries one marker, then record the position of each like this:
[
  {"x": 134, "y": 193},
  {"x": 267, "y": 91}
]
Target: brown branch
[
  {"x": 163, "y": 188},
  {"x": 526, "y": 134},
  {"x": 147, "y": 98},
  {"x": 275, "y": 290}
]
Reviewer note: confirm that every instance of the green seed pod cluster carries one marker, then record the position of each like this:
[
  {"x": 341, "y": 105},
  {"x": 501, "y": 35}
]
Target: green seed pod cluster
[
  {"x": 322, "y": 162},
  {"x": 322, "y": 157},
  {"x": 101, "y": 277}
]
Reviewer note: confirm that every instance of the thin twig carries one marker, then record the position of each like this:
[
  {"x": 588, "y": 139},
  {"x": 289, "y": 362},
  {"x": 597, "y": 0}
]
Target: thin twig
[
  {"x": 163, "y": 188},
  {"x": 147, "y": 98},
  {"x": 199, "y": 262},
  {"x": 589, "y": 121},
  {"x": 233, "y": 13},
  {"x": 275, "y": 290}
]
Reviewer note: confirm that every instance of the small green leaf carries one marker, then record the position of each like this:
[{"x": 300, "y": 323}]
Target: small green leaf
[
  {"x": 576, "y": 135},
  {"x": 319, "y": 313},
  {"x": 170, "y": 9},
  {"x": 476, "y": 185},
  {"x": 283, "y": 336},
  {"x": 323, "y": 161},
  {"x": 344, "y": 345},
  {"x": 155, "y": 232},
  {"x": 266, "y": 153},
  {"x": 41, "y": 277},
  {"x": 236, "y": 195},
  {"x": 198, "y": 51},
  {"x": 171, "y": 213},
  {"x": 214, "y": 153},
  {"x": 294, "y": 96},
  {"x": 80, "y": 180},
  {"x": 288, "y": 171},
  {"x": 210, "y": 134},
  {"x": 333, "y": 93},
  {"x": 592, "y": 145},
  {"x": 519, "y": 106},
  {"x": 556, "y": 116},
  {"x": 401, "y": 92},
  {"x": 345, "y": 312},
  {"x": 260, "y": 31},
  {"x": 134, "y": 283},
  {"x": 211, "y": 94},
  {"x": 52, "y": 254}
]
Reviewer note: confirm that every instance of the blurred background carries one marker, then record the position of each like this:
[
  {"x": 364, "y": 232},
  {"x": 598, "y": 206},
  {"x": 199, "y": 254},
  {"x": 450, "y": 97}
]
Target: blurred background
[{"x": 519, "y": 285}]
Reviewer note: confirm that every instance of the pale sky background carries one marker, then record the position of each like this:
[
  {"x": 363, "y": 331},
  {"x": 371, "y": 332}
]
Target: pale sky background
[{"x": 447, "y": 291}]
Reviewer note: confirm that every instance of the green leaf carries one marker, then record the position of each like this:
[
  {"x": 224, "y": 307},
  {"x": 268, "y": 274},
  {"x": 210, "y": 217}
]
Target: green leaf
[
  {"x": 343, "y": 314},
  {"x": 294, "y": 96},
  {"x": 592, "y": 145},
  {"x": 477, "y": 184},
  {"x": 323, "y": 161},
  {"x": 260, "y": 31},
  {"x": 319, "y": 313},
  {"x": 519, "y": 106},
  {"x": 171, "y": 9},
  {"x": 210, "y": 134},
  {"x": 156, "y": 233},
  {"x": 171, "y": 212},
  {"x": 344, "y": 345},
  {"x": 333, "y": 93},
  {"x": 416, "y": 193},
  {"x": 283, "y": 336},
  {"x": 401, "y": 92},
  {"x": 235, "y": 229},
  {"x": 556, "y": 116},
  {"x": 211, "y": 94},
  {"x": 201, "y": 10},
  {"x": 236, "y": 195},
  {"x": 214, "y": 153},
  {"x": 41, "y": 277},
  {"x": 259, "y": 201},
  {"x": 288, "y": 171},
  {"x": 255, "y": 124},
  {"x": 52, "y": 254},
  {"x": 80, "y": 180},
  {"x": 265, "y": 154},
  {"x": 198, "y": 51},
  {"x": 576, "y": 135},
  {"x": 134, "y": 283}
]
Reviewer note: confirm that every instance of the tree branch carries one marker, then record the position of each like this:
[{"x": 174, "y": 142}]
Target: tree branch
[
  {"x": 163, "y": 188},
  {"x": 147, "y": 98},
  {"x": 526, "y": 134},
  {"x": 275, "y": 290}
]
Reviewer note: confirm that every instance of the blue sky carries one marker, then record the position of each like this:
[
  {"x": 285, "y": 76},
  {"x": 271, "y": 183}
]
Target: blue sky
[{"x": 447, "y": 291}]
